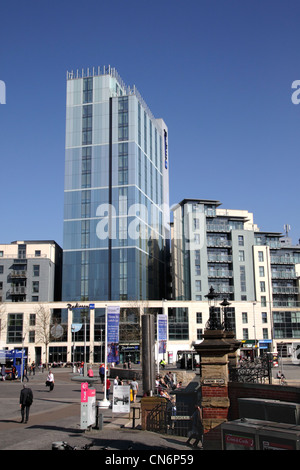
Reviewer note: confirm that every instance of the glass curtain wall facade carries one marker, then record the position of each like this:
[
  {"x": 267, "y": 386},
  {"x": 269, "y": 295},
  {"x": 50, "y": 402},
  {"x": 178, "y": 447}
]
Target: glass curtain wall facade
[{"x": 116, "y": 208}]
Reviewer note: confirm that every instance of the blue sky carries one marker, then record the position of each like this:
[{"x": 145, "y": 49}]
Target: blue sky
[{"x": 219, "y": 72}]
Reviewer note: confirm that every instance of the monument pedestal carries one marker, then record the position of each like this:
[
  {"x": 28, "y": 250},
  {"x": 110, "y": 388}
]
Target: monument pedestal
[{"x": 214, "y": 352}]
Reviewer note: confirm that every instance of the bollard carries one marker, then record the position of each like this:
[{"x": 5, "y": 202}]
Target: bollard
[{"x": 99, "y": 418}]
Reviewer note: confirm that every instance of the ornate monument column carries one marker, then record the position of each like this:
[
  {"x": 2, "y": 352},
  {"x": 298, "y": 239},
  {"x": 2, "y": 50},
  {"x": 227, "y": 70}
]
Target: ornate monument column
[{"x": 214, "y": 351}]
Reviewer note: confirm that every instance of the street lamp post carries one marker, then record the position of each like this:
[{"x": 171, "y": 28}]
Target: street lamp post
[
  {"x": 213, "y": 322},
  {"x": 226, "y": 319}
]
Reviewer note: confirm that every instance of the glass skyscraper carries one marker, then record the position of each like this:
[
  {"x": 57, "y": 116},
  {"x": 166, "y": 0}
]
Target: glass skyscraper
[{"x": 116, "y": 205}]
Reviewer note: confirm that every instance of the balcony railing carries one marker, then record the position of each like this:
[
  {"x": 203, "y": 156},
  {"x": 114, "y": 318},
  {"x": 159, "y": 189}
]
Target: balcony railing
[
  {"x": 284, "y": 275},
  {"x": 17, "y": 290},
  {"x": 219, "y": 258},
  {"x": 285, "y": 290},
  {"x": 225, "y": 273},
  {"x": 18, "y": 274},
  {"x": 218, "y": 242}
]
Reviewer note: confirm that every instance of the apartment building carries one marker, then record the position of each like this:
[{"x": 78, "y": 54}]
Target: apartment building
[
  {"x": 30, "y": 271},
  {"x": 224, "y": 249}
]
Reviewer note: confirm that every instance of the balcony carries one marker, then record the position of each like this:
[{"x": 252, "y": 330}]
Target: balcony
[
  {"x": 18, "y": 290},
  {"x": 19, "y": 274},
  {"x": 285, "y": 290},
  {"x": 223, "y": 289},
  {"x": 218, "y": 242},
  {"x": 218, "y": 228},
  {"x": 284, "y": 260},
  {"x": 220, "y": 273},
  {"x": 219, "y": 258}
]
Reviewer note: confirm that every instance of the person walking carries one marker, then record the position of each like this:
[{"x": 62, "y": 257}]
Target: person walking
[
  {"x": 102, "y": 372},
  {"x": 50, "y": 380},
  {"x": 26, "y": 399},
  {"x": 134, "y": 388},
  {"x": 197, "y": 427},
  {"x": 25, "y": 374},
  {"x": 107, "y": 388}
]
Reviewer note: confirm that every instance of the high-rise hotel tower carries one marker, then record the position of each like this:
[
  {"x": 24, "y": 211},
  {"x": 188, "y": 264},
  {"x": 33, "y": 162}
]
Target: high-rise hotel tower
[{"x": 116, "y": 209}]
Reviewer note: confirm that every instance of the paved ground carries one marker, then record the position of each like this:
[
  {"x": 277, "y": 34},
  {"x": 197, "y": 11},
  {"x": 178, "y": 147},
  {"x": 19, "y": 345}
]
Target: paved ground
[{"x": 55, "y": 416}]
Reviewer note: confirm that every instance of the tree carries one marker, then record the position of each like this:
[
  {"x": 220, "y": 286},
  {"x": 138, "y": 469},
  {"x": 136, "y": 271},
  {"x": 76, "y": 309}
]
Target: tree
[
  {"x": 43, "y": 328},
  {"x": 3, "y": 321}
]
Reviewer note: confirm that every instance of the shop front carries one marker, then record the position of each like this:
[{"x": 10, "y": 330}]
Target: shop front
[{"x": 129, "y": 353}]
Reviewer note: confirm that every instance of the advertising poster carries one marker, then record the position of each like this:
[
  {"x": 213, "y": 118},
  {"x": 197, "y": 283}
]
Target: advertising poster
[
  {"x": 113, "y": 320},
  {"x": 121, "y": 399},
  {"x": 239, "y": 442}
]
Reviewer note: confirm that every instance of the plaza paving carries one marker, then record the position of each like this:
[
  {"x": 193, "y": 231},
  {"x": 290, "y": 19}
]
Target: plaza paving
[{"x": 55, "y": 416}]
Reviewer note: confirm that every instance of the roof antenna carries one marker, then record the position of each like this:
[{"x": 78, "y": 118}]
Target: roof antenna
[{"x": 287, "y": 228}]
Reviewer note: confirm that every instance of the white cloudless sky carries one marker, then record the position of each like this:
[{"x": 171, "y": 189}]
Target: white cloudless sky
[{"x": 218, "y": 72}]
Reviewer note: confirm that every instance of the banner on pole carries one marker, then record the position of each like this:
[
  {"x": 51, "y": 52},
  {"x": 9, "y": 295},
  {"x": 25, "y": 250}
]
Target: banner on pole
[
  {"x": 162, "y": 332},
  {"x": 113, "y": 321}
]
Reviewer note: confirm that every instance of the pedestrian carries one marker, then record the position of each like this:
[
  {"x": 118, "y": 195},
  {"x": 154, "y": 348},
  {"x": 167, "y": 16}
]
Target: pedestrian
[
  {"x": 90, "y": 372},
  {"x": 25, "y": 373},
  {"x": 102, "y": 372},
  {"x": 134, "y": 387},
  {"x": 3, "y": 373},
  {"x": 107, "y": 387},
  {"x": 33, "y": 367},
  {"x": 26, "y": 399},
  {"x": 116, "y": 380},
  {"x": 50, "y": 381},
  {"x": 197, "y": 427}
]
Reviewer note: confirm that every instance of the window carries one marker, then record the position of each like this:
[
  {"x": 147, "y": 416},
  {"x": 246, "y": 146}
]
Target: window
[
  {"x": 265, "y": 333},
  {"x": 197, "y": 238},
  {"x": 241, "y": 240},
  {"x": 261, "y": 256},
  {"x": 36, "y": 270},
  {"x": 123, "y": 118},
  {"x": 1, "y": 254},
  {"x": 198, "y": 286},
  {"x": 244, "y": 317},
  {"x": 31, "y": 337},
  {"x": 262, "y": 286},
  {"x": 196, "y": 223},
  {"x": 35, "y": 287},
  {"x": 199, "y": 333},
  {"x": 1, "y": 269},
  {"x": 243, "y": 278},
  {"x": 263, "y": 301},
  {"x": 88, "y": 90},
  {"x": 32, "y": 317},
  {"x": 87, "y": 122},
  {"x": 14, "y": 328},
  {"x": 37, "y": 253},
  {"x": 264, "y": 317},
  {"x": 261, "y": 271},
  {"x": 245, "y": 333},
  {"x": 241, "y": 255},
  {"x": 199, "y": 317}
]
